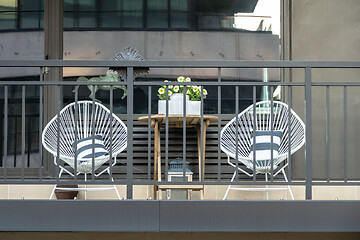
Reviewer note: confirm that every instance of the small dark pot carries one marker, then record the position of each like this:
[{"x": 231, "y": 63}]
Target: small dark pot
[{"x": 64, "y": 194}]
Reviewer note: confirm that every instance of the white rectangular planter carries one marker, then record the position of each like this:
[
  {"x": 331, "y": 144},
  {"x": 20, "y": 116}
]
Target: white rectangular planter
[{"x": 176, "y": 105}]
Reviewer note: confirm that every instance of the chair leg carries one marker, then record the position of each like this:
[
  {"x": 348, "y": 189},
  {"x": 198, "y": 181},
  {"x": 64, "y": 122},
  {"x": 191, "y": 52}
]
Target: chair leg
[
  {"x": 283, "y": 172},
  {"x": 116, "y": 190},
  {"x": 267, "y": 191},
  {"x": 53, "y": 191},
  {"x": 228, "y": 188},
  {"x": 85, "y": 192}
]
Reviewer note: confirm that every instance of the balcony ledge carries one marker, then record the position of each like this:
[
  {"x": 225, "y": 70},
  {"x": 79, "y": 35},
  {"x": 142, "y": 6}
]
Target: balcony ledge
[{"x": 180, "y": 216}]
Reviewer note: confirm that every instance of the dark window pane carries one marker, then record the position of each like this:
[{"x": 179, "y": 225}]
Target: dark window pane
[
  {"x": 7, "y": 20},
  {"x": 69, "y": 5},
  {"x": 87, "y": 5},
  {"x": 9, "y": 5},
  {"x": 42, "y": 20},
  {"x": 133, "y": 5},
  {"x": 133, "y": 20},
  {"x": 33, "y": 5},
  {"x": 208, "y": 22},
  {"x": 87, "y": 20},
  {"x": 180, "y": 20},
  {"x": 157, "y": 20},
  {"x": 157, "y": 4},
  {"x": 110, "y": 19},
  {"x": 179, "y": 5},
  {"x": 111, "y": 5},
  {"x": 29, "y": 20},
  {"x": 69, "y": 20}
]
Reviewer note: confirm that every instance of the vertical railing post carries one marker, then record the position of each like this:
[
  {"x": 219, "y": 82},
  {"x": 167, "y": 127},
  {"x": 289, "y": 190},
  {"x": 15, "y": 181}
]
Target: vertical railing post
[
  {"x": 130, "y": 124},
  {"x": 308, "y": 131}
]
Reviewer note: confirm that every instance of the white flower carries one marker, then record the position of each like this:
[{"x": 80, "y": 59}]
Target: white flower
[
  {"x": 196, "y": 88},
  {"x": 161, "y": 91},
  {"x": 205, "y": 92},
  {"x": 166, "y": 81},
  {"x": 188, "y": 92},
  {"x": 170, "y": 93},
  {"x": 180, "y": 79},
  {"x": 176, "y": 88},
  {"x": 187, "y": 79}
]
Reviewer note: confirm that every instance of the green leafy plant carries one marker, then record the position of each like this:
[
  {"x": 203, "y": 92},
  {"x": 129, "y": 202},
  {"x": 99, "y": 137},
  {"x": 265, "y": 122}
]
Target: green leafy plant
[{"x": 194, "y": 91}]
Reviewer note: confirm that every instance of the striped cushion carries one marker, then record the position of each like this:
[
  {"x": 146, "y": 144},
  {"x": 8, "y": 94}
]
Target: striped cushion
[
  {"x": 85, "y": 147},
  {"x": 263, "y": 146}
]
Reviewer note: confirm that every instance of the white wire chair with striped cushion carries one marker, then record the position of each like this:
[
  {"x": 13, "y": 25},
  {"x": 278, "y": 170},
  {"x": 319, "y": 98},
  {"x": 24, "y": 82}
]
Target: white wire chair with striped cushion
[
  {"x": 236, "y": 141},
  {"x": 66, "y": 132}
]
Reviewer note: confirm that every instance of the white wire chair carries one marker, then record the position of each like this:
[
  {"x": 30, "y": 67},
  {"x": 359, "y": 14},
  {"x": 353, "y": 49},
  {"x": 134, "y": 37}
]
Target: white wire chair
[
  {"x": 236, "y": 140},
  {"x": 60, "y": 133}
]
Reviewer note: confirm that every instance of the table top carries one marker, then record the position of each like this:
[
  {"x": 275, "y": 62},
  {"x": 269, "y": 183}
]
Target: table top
[{"x": 177, "y": 120}]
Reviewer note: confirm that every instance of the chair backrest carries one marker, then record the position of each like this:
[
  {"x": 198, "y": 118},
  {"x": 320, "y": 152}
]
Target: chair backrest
[
  {"x": 67, "y": 123},
  {"x": 284, "y": 119}
]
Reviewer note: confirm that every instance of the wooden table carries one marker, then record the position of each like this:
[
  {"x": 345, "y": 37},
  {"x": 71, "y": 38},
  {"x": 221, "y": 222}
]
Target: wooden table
[{"x": 176, "y": 121}]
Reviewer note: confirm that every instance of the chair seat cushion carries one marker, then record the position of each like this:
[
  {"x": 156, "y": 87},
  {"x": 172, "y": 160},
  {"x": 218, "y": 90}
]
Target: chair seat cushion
[
  {"x": 85, "y": 148},
  {"x": 263, "y": 146}
]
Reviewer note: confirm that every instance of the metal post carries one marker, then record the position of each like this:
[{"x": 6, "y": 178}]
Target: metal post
[
  {"x": 345, "y": 136},
  {"x": 6, "y": 118},
  {"x": 149, "y": 133},
  {"x": 130, "y": 125},
  {"x": 111, "y": 132},
  {"x": 22, "y": 133},
  {"x": 308, "y": 145},
  {"x": 219, "y": 123},
  {"x": 327, "y": 133},
  {"x": 41, "y": 106}
]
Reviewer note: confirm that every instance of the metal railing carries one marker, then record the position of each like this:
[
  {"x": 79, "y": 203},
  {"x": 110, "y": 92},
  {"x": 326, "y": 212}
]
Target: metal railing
[{"x": 44, "y": 175}]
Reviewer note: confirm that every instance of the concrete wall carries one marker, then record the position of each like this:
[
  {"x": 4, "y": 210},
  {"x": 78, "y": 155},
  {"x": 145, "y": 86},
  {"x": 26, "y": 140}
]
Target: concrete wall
[
  {"x": 169, "y": 45},
  {"x": 326, "y": 30}
]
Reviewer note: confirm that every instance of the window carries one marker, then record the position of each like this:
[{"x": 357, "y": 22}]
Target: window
[
  {"x": 31, "y": 14},
  {"x": 121, "y": 14},
  {"x": 179, "y": 14},
  {"x": 80, "y": 14},
  {"x": 138, "y": 14},
  {"x": 8, "y": 10}
]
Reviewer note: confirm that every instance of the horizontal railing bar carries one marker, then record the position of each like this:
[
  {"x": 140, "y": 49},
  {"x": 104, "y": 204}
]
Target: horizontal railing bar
[
  {"x": 156, "y": 83},
  {"x": 140, "y": 182},
  {"x": 339, "y": 84},
  {"x": 181, "y": 64},
  {"x": 150, "y": 183},
  {"x": 74, "y": 83},
  {"x": 60, "y": 83},
  {"x": 227, "y": 83}
]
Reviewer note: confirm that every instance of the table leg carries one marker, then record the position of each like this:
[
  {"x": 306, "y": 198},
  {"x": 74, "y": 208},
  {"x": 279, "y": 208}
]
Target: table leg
[
  {"x": 156, "y": 133},
  {"x": 205, "y": 125},
  {"x": 157, "y": 157},
  {"x": 199, "y": 150},
  {"x": 201, "y": 164}
]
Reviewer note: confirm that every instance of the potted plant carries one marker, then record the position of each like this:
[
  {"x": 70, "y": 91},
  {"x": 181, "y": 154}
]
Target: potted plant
[
  {"x": 176, "y": 98},
  {"x": 62, "y": 193}
]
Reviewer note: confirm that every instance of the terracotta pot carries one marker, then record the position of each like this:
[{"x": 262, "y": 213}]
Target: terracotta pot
[{"x": 64, "y": 194}]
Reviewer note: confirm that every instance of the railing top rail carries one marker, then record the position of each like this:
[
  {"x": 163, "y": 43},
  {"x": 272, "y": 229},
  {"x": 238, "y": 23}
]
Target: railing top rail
[
  {"x": 157, "y": 83},
  {"x": 148, "y": 83},
  {"x": 182, "y": 64}
]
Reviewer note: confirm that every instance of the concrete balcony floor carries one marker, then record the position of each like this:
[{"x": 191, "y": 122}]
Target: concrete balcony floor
[{"x": 211, "y": 192}]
